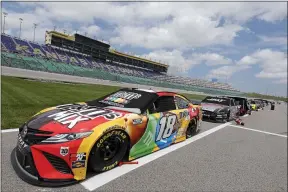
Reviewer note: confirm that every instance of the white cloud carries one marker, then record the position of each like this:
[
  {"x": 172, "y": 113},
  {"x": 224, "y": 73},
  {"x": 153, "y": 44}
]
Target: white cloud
[
  {"x": 225, "y": 72},
  {"x": 177, "y": 62},
  {"x": 211, "y": 59},
  {"x": 274, "y": 40},
  {"x": 281, "y": 81},
  {"x": 155, "y": 25},
  {"x": 180, "y": 64},
  {"x": 273, "y": 63},
  {"x": 247, "y": 60},
  {"x": 181, "y": 33}
]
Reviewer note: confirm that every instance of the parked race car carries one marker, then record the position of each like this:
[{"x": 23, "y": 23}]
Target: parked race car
[
  {"x": 219, "y": 108},
  {"x": 244, "y": 106},
  {"x": 261, "y": 103},
  {"x": 254, "y": 105},
  {"x": 59, "y": 144}
]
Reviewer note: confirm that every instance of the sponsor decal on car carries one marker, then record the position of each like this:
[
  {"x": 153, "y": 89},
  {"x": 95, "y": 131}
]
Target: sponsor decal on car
[
  {"x": 216, "y": 99},
  {"x": 64, "y": 151},
  {"x": 106, "y": 136},
  {"x": 137, "y": 121},
  {"x": 113, "y": 128},
  {"x": 78, "y": 164},
  {"x": 72, "y": 115},
  {"x": 120, "y": 98},
  {"x": 110, "y": 166},
  {"x": 81, "y": 157},
  {"x": 21, "y": 144}
]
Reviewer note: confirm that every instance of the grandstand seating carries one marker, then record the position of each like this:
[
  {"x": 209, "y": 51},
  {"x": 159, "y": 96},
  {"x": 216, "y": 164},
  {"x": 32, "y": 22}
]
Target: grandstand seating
[{"x": 24, "y": 54}]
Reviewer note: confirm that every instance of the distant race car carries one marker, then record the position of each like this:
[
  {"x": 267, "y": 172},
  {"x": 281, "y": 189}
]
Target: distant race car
[
  {"x": 58, "y": 145},
  {"x": 254, "y": 105},
  {"x": 219, "y": 108},
  {"x": 261, "y": 103},
  {"x": 244, "y": 106}
]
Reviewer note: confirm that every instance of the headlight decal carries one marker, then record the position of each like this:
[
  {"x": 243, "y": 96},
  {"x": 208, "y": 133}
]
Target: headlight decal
[{"x": 60, "y": 138}]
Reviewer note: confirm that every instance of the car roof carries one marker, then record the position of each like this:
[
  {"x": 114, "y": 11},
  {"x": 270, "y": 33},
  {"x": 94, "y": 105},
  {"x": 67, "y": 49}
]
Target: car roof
[
  {"x": 157, "y": 92},
  {"x": 220, "y": 96},
  {"x": 236, "y": 97}
]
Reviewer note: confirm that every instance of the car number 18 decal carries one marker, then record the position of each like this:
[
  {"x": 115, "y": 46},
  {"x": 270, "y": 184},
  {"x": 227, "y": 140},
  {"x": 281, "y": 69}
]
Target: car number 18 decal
[{"x": 166, "y": 127}]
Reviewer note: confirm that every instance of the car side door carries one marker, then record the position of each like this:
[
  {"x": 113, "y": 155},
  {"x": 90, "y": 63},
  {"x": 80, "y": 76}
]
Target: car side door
[
  {"x": 167, "y": 115},
  {"x": 185, "y": 113},
  {"x": 161, "y": 127}
]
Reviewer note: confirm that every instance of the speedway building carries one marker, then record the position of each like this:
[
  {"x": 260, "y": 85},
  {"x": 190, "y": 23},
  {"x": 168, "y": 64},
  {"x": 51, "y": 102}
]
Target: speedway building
[{"x": 82, "y": 56}]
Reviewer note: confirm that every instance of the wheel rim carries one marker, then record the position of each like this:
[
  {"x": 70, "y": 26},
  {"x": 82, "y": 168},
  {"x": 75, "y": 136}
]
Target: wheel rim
[{"x": 109, "y": 148}]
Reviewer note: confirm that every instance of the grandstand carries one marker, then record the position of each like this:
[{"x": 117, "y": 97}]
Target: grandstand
[{"x": 81, "y": 56}]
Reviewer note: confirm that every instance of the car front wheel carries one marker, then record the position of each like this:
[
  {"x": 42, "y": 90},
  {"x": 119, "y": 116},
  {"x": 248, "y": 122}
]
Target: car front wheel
[
  {"x": 108, "y": 151},
  {"x": 193, "y": 128}
]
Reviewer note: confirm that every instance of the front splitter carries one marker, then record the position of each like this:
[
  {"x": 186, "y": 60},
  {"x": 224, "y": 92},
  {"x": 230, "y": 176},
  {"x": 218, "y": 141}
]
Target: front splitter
[{"x": 33, "y": 180}]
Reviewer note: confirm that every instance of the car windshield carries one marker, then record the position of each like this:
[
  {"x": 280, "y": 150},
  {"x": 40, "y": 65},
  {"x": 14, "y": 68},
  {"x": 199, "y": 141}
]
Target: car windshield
[
  {"x": 126, "y": 98},
  {"x": 217, "y": 100}
]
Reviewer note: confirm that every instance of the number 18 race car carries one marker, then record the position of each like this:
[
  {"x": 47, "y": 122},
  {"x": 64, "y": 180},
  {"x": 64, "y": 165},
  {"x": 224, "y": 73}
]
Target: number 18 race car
[{"x": 58, "y": 145}]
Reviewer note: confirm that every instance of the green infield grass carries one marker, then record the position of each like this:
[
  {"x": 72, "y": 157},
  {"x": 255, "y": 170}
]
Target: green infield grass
[{"x": 22, "y": 98}]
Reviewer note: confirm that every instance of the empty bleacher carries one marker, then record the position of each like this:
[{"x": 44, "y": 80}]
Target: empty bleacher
[{"x": 24, "y": 54}]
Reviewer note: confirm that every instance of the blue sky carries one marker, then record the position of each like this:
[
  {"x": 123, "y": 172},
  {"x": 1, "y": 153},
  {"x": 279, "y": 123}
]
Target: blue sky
[{"x": 244, "y": 44}]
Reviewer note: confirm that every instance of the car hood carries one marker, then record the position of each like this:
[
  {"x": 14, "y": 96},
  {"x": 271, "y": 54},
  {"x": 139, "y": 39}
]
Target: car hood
[
  {"x": 212, "y": 106},
  {"x": 73, "y": 118}
]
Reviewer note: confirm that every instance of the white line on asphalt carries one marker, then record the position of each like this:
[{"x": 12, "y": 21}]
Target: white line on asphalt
[
  {"x": 103, "y": 178},
  {"x": 258, "y": 131},
  {"x": 246, "y": 115},
  {"x": 9, "y": 130}
]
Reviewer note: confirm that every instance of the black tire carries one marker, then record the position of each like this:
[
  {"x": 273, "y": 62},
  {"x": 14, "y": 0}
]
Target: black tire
[
  {"x": 108, "y": 151},
  {"x": 192, "y": 128},
  {"x": 227, "y": 118}
]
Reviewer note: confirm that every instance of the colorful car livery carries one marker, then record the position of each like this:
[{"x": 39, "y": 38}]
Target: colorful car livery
[{"x": 59, "y": 144}]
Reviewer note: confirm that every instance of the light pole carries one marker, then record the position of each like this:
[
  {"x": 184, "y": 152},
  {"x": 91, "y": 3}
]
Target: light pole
[
  {"x": 35, "y": 25},
  {"x": 5, "y": 14},
  {"x": 20, "y": 19},
  {"x": 54, "y": 28}
]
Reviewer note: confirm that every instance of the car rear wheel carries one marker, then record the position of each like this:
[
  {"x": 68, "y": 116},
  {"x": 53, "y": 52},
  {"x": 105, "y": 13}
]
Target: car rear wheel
[
  {"x": 108, "y": 151},
  {"x": 193, "y": 128}
]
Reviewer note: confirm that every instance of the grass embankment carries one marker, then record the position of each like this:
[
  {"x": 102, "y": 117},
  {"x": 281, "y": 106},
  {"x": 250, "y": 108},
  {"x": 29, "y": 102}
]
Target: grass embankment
[{"x": 22, "y": 98}]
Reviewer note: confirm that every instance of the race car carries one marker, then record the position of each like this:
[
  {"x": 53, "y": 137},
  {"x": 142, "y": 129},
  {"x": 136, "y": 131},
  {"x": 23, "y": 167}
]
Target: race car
[
  {"x": 261, "y": 103},
  {"x": 253, "y": 104},
  {"x": 219, "y": 108},
  {"x": 58, "y": 145},
  {"x": 244, "y": 106}
]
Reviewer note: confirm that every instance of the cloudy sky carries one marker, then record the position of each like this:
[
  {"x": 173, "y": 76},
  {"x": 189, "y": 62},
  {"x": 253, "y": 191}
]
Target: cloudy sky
[{"x": 244, "y": 44}]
